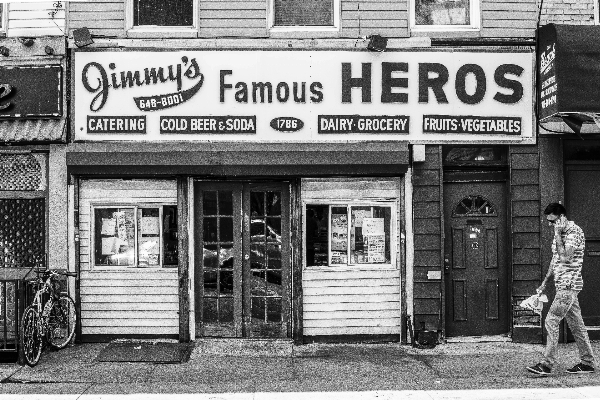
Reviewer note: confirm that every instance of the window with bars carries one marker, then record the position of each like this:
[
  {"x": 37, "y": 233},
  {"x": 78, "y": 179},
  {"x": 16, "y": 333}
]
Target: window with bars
[
  {"x": 304, "y": 14},
  {"x": 445, "y": 14},
  {"x": 163, "y": 13}
]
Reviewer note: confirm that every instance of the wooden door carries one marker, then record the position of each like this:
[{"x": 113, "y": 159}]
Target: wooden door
[
  {"x": 476, "y": 271},
  {"x": 582, "y": 202},
  {"x": 242, "y": 260}
]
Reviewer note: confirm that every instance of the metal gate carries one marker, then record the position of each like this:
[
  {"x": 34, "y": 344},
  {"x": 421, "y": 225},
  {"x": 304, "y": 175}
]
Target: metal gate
[{"x": 22, "y": 242}]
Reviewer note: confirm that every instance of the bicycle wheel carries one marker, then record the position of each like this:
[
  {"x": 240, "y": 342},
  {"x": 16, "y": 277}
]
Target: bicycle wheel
[
  {"x": 61, "y": 322},
  {"x": 30, "y": 336}
]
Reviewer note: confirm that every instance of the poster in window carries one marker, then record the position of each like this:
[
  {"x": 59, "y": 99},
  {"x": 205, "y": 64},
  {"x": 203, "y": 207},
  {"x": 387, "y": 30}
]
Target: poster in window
[
  {"x": 359, "y": 216},
  {"x": 149, "y": 246},
  {"x": 109, "y": 226},
  {"x": 373, "y": 226},
  {"x": 374, "y": 238},
  {"x": 338, "y": 257},
  {"x": 339, "y": 232},
  {"x": 150, "y": 226},
  {"x": 109, "y": 246},
  {"x": 375, "y": 245}
]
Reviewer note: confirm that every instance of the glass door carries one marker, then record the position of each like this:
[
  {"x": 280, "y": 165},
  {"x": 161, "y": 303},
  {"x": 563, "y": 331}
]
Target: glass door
[{"x": 242, "y": 260}]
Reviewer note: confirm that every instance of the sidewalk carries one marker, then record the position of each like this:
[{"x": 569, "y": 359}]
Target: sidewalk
[{"x": 278, "y": 370}]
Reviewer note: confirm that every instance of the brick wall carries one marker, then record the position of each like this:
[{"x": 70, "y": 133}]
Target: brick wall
[{"x": 573, "y": 12}]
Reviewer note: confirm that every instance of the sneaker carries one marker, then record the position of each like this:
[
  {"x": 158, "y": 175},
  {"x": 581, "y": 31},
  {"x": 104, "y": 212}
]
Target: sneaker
[
  {"x": 539, "y": 369},
  {"x": 581, "y": 369}
]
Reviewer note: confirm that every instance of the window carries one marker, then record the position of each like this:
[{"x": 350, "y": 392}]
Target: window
[
  {"x": 162, "y": 14},
  {"x": 135, "y": 236},
  {"x": 348, "y": 234},
  {"x": 444, "y": 14},
  {"x": 307, "y": 15}
]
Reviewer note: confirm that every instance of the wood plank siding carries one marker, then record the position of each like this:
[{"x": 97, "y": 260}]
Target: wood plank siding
[
  {"x": 508, "y": 18},
  {"x": 248, "y": 19},
  {"x": 35, "y": 19},
  {"x": 352, "y": 301},
  {"x": 130, "y": 301},
  {"x": 388, "y": 18},
  {"x": 428, "y": 233},
  {"x": 102, "y": 17},
  {"x": 219, "y": 18},
  {"x": 526, "y": 243}
]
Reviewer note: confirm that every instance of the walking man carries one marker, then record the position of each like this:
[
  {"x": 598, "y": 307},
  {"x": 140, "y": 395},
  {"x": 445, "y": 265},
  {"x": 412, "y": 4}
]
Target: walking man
[{"x": 567, "y": 260}]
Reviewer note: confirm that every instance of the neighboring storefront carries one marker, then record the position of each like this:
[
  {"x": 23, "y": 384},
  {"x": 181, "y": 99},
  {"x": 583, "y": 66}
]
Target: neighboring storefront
[
  {"x": 272, "y": 194},
  {"x": 32, "y": 126},
  {"x": 569, "y": 106}
]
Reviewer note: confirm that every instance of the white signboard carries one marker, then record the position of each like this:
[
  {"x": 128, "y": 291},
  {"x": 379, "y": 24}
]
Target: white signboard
[{"x": 304, "y": 96}]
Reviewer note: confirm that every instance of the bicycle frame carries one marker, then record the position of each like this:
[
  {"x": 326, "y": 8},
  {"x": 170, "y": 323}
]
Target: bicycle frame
[{"x": 43, "y": 310}]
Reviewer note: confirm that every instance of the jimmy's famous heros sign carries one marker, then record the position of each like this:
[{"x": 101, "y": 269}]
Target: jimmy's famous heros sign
[{"x": 417, "y": 96}]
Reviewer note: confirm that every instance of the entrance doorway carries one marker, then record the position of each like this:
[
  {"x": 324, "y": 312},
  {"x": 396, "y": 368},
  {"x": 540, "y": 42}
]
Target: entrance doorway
[
  {"x": 582, "y": 191},
  {"x": 242, "y": 260},
  {"x": 475, "y": 248}
]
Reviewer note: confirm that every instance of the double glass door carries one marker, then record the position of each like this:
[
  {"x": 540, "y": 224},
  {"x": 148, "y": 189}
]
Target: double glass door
[{"x": 242, "y": 259}]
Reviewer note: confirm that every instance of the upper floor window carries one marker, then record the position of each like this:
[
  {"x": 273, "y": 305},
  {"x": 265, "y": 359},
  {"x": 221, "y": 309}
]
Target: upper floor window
[
  {"x": 445, "y": 15},
  {"x": 162, "y": 14},
  {"x": 304, "y": 15}
]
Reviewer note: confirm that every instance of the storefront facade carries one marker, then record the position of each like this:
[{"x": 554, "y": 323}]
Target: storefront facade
[
  {"x": 295, "y": 194},
  {"x": 32, "y": 134}
]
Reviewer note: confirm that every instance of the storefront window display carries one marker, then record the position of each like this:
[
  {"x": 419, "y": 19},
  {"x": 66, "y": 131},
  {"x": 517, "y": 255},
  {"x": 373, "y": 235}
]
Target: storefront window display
[
  {"x": 135, "y": 236},
  {"x": 348, "y": 234}
]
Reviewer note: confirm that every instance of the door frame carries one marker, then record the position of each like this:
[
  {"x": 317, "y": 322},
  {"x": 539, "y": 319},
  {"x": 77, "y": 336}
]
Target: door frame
[
  {"x": 291, "y": 252},
  {"x": 478, "y": 176}
]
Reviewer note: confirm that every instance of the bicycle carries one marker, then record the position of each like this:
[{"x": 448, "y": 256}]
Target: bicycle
[{"x": 53, "y": 320}]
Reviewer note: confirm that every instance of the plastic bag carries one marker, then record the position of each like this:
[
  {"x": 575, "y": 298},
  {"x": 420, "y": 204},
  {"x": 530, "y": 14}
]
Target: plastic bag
[{"x": 535, "y": 303}]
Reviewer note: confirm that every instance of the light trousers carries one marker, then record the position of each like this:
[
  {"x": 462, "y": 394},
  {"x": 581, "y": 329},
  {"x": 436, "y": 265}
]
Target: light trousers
[{"x": 566, "y": 305}]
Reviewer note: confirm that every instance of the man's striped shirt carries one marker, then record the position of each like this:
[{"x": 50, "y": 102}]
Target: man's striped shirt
[{"x": 568, "y": 275}]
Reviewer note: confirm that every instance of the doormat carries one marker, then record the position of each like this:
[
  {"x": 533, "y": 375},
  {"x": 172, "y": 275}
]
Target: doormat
[{"x": 158, "y": 353}]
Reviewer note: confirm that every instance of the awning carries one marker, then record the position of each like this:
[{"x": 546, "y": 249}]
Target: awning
[
  {"x": 33, "y": 131},
  {"x": 569, "y": 73},
  {"x": 350, "y": 158}
]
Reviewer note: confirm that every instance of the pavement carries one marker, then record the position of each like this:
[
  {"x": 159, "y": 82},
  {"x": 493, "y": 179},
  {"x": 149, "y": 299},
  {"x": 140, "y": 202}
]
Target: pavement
[{"x": 257, "y": 370}]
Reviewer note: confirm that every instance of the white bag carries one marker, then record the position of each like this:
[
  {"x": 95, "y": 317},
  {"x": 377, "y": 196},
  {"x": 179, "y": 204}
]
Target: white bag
[{"x": 535, "y": 303}]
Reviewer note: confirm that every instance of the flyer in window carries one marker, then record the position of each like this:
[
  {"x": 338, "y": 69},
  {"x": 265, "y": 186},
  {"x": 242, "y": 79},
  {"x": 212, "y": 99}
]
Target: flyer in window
[
  {"x": 109, "y": 246},
  {"x": 150, "y": 226},
  {"x": 359, "y": 216},
  {"x": 373, "y": 226},
  {"x": 149, "y": 246},
  {"x": 109, "y": 226},
  {"x": 375, "y": 248},
  {"x": 338, "y": 257},
  {"x": 339, "y": 232}
]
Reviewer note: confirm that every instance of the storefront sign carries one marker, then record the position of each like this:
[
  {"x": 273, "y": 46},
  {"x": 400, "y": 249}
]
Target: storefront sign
[
  {"x": 569, "y": 69},
  {"x": 417, "y": 96},
  {"x": 31, "y": 92}
]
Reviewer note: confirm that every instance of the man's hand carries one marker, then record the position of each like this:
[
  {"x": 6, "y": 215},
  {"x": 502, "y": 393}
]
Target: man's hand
[
  {"x": 560, "y": 225},
  {"x": 541, "y": 289}
]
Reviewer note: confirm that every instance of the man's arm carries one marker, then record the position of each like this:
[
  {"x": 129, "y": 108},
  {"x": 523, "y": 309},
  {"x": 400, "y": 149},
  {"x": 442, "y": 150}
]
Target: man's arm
[
  {"x": 549, "y": 275},
  {"x": 564, "y": 251}
]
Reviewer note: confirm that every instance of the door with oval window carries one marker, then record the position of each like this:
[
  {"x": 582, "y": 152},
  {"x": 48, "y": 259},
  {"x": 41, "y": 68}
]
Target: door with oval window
[
  {"x": 476, "y": 271},
  {"x": 242, "y": 260}
]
